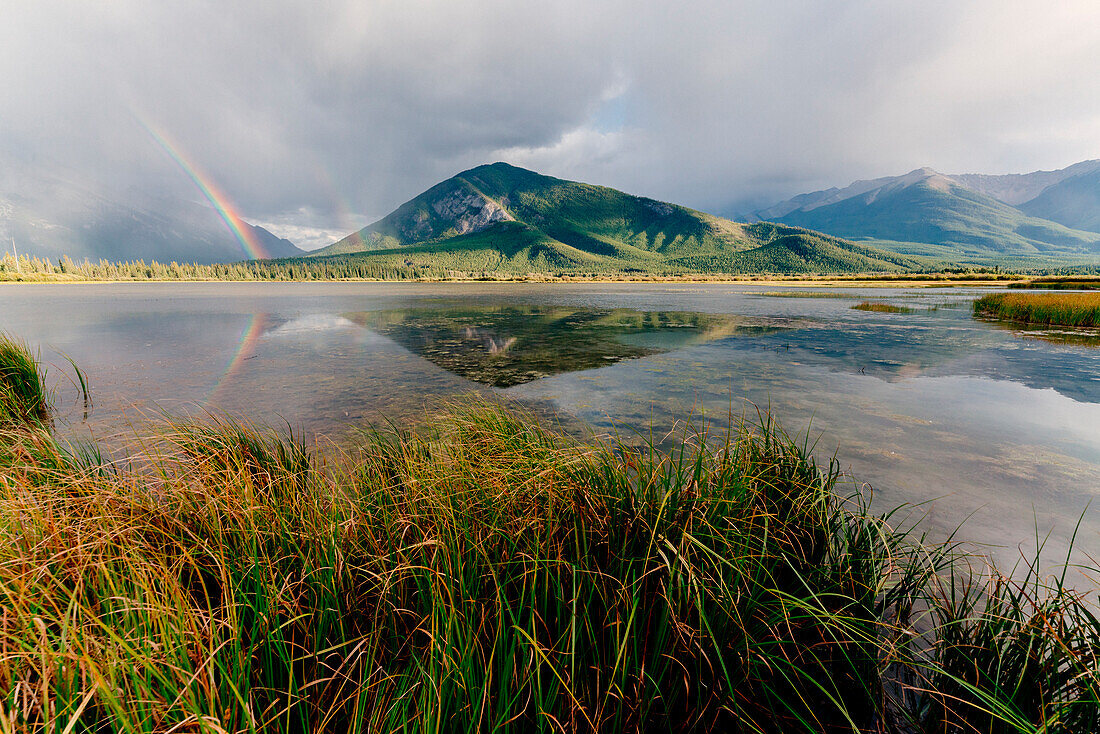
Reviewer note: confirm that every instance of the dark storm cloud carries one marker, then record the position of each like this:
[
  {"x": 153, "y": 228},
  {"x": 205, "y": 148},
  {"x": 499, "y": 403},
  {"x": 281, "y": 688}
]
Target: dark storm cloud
[{"x": 323, "y": 114}]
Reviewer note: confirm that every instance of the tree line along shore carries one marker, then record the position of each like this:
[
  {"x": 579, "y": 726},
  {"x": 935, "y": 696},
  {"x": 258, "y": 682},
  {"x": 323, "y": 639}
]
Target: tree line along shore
[{"x": 335, "y": 268}]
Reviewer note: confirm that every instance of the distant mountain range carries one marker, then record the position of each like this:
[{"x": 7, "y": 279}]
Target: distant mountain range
[
  {"x": 500, "y": 218},
  {"x": 503, "y": 219},
  {"x": 1040, "y": 216},
  {"x": 51, "y": 216}
]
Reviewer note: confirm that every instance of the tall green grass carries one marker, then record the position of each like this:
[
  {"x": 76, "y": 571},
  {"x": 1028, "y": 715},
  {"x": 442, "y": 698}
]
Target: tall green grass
[
  {"x": 489, "y": 574},
  {"x": 23, "y": 397},
  {"x": 1060, "y": 309}
]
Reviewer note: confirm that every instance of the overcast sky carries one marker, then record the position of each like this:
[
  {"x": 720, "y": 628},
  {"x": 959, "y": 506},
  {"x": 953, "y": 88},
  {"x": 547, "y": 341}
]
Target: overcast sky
[{"x": 326, "y": 115}]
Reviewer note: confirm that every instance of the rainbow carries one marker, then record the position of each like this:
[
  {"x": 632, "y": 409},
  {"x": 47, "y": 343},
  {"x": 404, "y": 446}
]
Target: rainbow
[
  {"x": 250, "y": 243},
  {"x": 257, "y": 322},
  {"x": 343, "y": 206}
]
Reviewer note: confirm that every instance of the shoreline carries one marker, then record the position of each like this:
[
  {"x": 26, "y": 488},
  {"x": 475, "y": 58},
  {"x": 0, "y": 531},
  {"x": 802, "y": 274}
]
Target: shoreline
[{"x": 931, "y": 281}]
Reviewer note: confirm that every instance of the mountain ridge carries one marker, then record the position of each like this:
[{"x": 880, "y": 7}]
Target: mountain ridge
[
  {"x": 514, "y": 217},
  {"x": 953, "y": 216},
  {"x": 1017, "y": 188},
  {"x": 1073, "y": 201}
]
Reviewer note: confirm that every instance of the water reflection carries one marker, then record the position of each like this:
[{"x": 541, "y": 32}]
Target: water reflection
[
  {"x": 929, "y": 404},
  {"x": 1073, "y": 336},
  {"x": 507, "y": 346},
  {"x": 246, "y": 350}
]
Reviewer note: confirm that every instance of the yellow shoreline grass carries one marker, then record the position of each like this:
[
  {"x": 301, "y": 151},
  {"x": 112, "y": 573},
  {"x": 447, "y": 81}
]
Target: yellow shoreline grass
[{"x": 1060, "y": 309}]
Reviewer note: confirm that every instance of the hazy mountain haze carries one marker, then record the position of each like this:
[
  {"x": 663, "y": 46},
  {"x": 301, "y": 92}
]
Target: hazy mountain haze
[
  {"x": 1074, "y": 201},
  {"x": 53, "y": 217}
]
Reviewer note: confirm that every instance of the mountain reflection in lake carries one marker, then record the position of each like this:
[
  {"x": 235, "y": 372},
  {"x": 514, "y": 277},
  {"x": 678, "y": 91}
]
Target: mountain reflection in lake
[{"x": 510, "y": 346}]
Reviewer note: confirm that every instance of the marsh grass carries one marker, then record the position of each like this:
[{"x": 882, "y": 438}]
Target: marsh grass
[
  {"x": 23, "y": 397},
  {"x": 1024, "y": 655},
  {"x": 804, "y": 294},
  {"x": 1079, "y": 282},
  {"x": 1060, "y": 309},
  {"x": 945, "y": 306},
  {"x": 881, "y": 307},
  {"x": 487, "y": 573}
]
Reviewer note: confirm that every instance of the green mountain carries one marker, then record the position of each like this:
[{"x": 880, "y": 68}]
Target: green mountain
[
  {"x": 1074, "y": 202},
  {"x": 928, "y": 213},
  {"x": 500, "y": 218}
]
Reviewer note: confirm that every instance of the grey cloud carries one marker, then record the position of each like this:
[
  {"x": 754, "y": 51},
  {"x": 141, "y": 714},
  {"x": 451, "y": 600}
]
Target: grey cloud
[{"x": 338, "y": 111}]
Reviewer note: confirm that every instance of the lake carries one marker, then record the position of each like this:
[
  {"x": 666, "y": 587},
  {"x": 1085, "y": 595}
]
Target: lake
[{"x": 964, "y": 419}]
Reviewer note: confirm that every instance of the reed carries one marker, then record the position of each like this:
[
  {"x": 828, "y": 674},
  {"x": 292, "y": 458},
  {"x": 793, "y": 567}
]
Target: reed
[
  {"x": 881, "y": 307},
  {"x": 23, "y": 397},
  {"x": 1056, "y": 309},
  {"x": 489, "y": 573},
  {"x": 807, "y": 294},
  {"x": 1072, "y": 283}
]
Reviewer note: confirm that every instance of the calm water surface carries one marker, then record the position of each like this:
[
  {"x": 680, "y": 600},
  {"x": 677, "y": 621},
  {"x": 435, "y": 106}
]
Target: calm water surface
[{"x": 962, "y": 417}]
